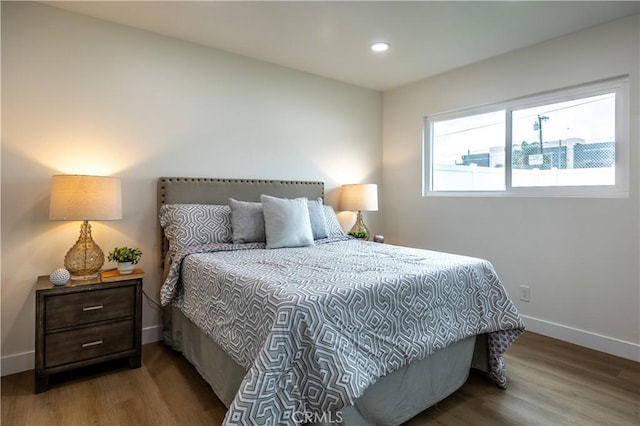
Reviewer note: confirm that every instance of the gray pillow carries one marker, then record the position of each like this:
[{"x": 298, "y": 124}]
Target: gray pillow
[
  {"x": 318, "y": 219},
  {"x": 286, "y": 222},
  {"x": 187, "y": 225},
  {"x": 247, "y": 222},
  {"x": 333, "y": 225}
]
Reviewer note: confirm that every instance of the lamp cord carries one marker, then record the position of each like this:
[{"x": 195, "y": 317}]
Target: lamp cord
[{"x": 155, "y": 304}]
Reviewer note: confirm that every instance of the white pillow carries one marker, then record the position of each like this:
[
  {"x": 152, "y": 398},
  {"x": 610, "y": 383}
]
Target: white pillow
[{"x": 286, "y": 222}]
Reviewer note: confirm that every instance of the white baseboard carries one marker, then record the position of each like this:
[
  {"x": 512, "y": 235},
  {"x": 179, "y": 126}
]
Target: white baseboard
[
  {"x": 12, "y": 364},
  {"x": 17, "y": 363},
  {"x": 151, "y": 334},
  {"x": 598, "y": 342}
]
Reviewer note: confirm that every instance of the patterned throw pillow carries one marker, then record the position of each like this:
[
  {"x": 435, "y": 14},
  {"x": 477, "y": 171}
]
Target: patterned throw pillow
[
  {"x": 187, "y": 225},
  {"x": 333, "y": 225}
]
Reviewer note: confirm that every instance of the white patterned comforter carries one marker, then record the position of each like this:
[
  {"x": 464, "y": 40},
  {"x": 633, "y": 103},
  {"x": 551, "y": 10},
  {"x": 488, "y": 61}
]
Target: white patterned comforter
[{"x": 316, "y": 326}]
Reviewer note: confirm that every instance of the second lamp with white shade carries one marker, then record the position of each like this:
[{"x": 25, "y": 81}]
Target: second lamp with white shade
[{"x": 359, "y": 197}]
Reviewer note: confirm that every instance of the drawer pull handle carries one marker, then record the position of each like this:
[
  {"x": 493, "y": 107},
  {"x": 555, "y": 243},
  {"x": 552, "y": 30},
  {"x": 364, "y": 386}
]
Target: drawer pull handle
[
  {"x": 92, "y": 308},
  {"x": 89, "y": 344}
]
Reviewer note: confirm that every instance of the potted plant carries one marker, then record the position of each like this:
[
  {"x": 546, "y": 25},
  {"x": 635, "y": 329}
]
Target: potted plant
[
  {"x": 360, "y": 234},
  {"x": 126, "y": 258}
]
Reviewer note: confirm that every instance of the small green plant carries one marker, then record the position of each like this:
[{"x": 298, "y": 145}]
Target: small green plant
[
  {"x": 359, "y": 234},
  {"x": 125, "y": 254}
]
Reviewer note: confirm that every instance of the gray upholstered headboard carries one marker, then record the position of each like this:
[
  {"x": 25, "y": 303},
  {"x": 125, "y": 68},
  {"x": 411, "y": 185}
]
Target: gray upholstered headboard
[{"x": 181, "y": 190}]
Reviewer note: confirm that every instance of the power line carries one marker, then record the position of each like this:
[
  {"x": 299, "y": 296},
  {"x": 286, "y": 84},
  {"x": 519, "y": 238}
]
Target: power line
[
  {"x": 566, "y": 107},
  {"x": 523, "y": 117}
]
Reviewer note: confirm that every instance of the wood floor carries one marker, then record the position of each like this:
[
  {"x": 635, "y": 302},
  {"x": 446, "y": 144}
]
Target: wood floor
[{"x": 550, "y": 383}]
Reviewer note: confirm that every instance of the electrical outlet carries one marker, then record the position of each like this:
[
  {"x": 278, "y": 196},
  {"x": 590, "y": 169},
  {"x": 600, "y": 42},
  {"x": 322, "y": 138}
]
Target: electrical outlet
[{"x": 525, "y": 294}]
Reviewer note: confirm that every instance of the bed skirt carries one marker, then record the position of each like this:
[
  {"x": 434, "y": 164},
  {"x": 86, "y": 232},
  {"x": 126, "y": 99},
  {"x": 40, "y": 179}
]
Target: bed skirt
[{"x": 392, "y": 400}]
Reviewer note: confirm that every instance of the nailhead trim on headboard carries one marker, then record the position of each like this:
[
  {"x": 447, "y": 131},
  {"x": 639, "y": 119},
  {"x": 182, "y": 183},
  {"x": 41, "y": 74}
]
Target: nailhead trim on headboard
[{"x": 162, "y": 183}]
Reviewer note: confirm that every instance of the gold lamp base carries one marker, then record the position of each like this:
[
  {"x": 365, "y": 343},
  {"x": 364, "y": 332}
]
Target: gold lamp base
[
  {"x": 85, "y": 258},
  {"x": 359, "y": 229}
]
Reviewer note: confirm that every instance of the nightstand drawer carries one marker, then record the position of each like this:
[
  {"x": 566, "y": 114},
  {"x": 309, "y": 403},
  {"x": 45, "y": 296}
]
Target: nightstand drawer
[
  {"x": 68, "y": 310},
  {"x": 88, "y": 342}
]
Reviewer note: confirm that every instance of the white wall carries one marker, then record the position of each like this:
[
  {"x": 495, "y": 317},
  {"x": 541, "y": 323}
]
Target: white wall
[
  {"x": 579, "y": 256},
  {"x": 81, "y": 95}
]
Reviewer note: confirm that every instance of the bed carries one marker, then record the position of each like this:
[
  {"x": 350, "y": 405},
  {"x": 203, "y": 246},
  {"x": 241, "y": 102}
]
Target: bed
[{"x": 341, "y": 331}]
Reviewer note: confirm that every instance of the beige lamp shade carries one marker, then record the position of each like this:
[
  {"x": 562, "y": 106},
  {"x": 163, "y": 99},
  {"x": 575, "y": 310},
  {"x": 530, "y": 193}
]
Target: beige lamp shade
[
  {"x": 81, "y": 197},
  {"x": 359, "y": 197}
]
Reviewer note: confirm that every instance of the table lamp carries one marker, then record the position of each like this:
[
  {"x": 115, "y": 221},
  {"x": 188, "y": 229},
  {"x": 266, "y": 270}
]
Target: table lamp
[
  {"x": 85, "y": 198},
  {"x": 359, "y": 197}
]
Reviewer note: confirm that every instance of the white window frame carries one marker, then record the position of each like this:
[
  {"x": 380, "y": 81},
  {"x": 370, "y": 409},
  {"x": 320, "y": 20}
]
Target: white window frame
[{"x": 619, "y": 86}]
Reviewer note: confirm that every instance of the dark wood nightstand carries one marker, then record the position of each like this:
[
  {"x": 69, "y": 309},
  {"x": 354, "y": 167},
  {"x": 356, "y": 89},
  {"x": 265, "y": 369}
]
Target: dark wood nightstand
[{"x": 86, "y": 322}]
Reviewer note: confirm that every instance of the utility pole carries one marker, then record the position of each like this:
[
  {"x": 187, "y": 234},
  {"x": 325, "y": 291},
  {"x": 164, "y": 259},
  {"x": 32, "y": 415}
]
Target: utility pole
[{"x": 538, "y": 126}]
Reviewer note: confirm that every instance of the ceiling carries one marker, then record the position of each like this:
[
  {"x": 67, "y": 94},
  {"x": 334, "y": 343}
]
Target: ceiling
[{"x": 332, "y": 38}]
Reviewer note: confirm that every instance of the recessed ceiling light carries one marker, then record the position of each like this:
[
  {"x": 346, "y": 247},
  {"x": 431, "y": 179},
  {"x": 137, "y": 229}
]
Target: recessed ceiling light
[{"x": 380, "y": 46}]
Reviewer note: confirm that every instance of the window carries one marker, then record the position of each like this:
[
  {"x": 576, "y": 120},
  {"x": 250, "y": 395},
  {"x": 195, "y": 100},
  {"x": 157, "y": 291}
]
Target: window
[
  {"x": 468, "y": 152},
  {"x": 572, "y": 142}
]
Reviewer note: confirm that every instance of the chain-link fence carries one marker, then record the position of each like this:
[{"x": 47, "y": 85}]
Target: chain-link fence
[{"x": 572, "y": 156}]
